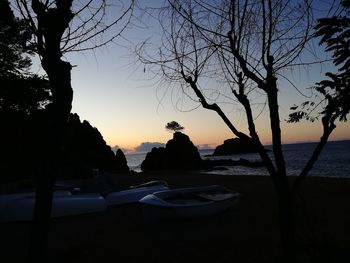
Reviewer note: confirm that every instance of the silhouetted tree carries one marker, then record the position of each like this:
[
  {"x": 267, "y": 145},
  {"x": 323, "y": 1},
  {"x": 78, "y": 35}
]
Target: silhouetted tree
[
  {"x": 174, "y": 126},
  {"x": 21, "y": 90},
  {"x": 243, "y": 46},
  {"x": 334, "y": 91},
  {"x": 25, "y": 94},
  {"x": 61, "y": 26},
  {"x": 15, "y": 35},
  {"x": 22, "y": 95}
]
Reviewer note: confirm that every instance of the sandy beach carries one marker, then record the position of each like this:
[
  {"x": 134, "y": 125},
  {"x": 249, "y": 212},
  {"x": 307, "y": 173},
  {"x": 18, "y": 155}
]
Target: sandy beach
[{"x": 248, "y": 233}]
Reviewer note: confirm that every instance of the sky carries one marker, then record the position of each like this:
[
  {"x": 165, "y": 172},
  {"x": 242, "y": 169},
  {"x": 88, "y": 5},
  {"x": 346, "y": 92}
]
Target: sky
[{"x": 130, "y": 107}]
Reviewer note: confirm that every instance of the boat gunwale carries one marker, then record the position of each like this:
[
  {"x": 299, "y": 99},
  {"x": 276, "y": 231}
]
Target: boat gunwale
[{"x": 161, "y": 198}]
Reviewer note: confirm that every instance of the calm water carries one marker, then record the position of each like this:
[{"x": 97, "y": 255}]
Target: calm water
[{"x": 334, "y": 161}]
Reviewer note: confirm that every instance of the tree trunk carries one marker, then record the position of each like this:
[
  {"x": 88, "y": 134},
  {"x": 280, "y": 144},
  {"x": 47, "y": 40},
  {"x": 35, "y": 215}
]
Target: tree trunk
[
  {"x": 275, "y": 123},
  {"x": 285, "y": 208},
  {"x": 286, "y": 220},
  {"x": 59, "y": 73}
]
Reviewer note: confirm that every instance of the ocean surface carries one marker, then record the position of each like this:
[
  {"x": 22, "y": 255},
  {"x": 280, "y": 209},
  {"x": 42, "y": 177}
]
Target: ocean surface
[{"x": 334, "y": 161}]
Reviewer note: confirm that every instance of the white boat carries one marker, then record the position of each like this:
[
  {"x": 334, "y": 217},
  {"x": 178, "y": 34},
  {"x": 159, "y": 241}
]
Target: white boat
[
  {"x": 135, "y": 193},
  {"x": 20, "y": 206},
  {"x": 188, "y": 202}
]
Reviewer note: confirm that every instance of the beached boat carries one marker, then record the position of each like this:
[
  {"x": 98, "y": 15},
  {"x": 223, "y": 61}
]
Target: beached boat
[
  {"x": 20, "y": 206},
  {"x": 135, "y": 193},
  {"x": 188, "y": 202}
]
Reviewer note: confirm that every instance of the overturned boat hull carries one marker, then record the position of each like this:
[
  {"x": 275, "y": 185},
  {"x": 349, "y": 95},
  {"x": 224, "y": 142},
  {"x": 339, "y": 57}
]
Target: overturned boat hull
[
  {"x": 20, "y": 206},
  {"x": 188, "y": 202},
  {"x": 135, "y": 193}
]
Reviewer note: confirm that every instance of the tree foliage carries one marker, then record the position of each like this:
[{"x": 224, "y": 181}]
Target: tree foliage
[
  {"x": 334, "y": 34},
  {"x": 334, "y": 91},
  {"x": 25, "y": 94},
  {"x": 21, "y": 90},
  {"x": 14, "y": 37},
  {"x": 174, "y": 126}
]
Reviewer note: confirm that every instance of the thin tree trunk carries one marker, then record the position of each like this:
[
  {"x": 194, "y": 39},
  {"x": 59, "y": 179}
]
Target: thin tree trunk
[
  {"x": 41, "y": 216},
  {"x": 327, "y": 130},
  {"x": 286, "y": 217},
  {"x": 285, "y": 207},
  {"x": 275, "y": 125},
  {"x": 60, "y": 82}
]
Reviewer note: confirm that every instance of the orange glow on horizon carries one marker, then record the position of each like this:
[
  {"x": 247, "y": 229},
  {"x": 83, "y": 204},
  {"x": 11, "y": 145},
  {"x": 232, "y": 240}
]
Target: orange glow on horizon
[{"x": 291, "y": 133}]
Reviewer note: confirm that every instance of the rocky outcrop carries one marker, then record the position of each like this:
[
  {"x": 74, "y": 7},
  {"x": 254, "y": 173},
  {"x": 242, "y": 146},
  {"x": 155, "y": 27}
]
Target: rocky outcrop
[
  {"x": 235, "y": 146},
  {"x": 85, "y": 149},
  {"x": 121, "y": 162},
  {"x": 155, "y": 160},
  {"x": 178, "y": 154}
]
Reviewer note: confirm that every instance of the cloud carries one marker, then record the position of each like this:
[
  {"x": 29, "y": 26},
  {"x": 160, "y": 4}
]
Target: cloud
[
  {"x": 147, "y": 147},
  {"x": 205, "y": 146},
  {"x": 124, "y": 150}
]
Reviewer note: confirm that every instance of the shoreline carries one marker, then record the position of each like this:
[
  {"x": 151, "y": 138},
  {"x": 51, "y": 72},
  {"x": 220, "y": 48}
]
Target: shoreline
[
  {"x": 247, "y": 234},
  {"x": 124, "y": 180}
]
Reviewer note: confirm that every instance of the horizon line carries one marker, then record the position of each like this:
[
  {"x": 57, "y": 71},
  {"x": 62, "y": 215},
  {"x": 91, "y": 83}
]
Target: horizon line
[{"x": 131, "y": 151}]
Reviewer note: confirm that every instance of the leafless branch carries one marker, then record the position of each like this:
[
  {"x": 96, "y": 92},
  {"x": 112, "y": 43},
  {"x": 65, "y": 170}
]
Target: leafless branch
[{"x": 91, "y": 27}]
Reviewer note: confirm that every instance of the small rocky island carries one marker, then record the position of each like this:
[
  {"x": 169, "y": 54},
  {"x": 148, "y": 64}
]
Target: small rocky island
[
  {"x": 181, "y": 154},
  {"x": 178, "y": 154},
  {"x": 235, "y": 146}
]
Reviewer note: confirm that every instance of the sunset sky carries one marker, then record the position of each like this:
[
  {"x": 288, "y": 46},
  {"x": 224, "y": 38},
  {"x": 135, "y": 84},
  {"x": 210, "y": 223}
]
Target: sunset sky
[{"x": 129, "y": 106}]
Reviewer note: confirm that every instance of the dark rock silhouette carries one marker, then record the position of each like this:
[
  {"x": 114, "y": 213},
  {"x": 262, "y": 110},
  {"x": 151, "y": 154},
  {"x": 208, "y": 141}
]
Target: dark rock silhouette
[
  {"x": 156, "y": 159},
  {"x": 182, "y": 152},
  {"x": 235, "y": 146},
  {"x": 84, "y": 148},
  {"x": 178, "y": 154},
  {"x": 121, "y": 162}
]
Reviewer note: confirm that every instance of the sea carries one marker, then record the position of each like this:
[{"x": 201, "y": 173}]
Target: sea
[{"x": 334, "y": 160}]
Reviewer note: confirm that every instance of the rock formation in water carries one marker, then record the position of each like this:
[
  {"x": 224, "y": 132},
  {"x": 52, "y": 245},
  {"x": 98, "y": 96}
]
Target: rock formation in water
[
  {"x": 235, "y": 146},
  {"x": 121, "y": 162},
  {"x": 178, "y": 154}
]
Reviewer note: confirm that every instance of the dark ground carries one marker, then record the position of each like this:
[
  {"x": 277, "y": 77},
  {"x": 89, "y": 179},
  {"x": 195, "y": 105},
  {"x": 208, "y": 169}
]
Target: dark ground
[{"x": 248, "y": 233}]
